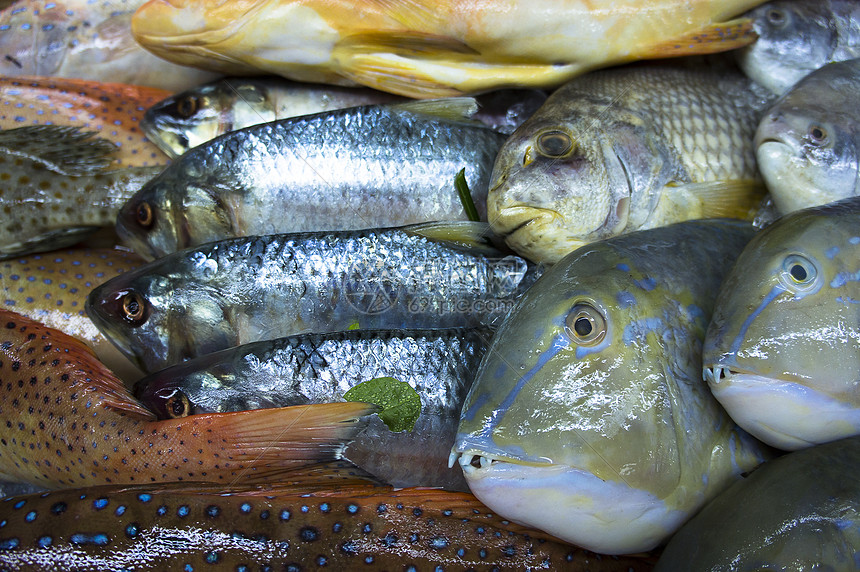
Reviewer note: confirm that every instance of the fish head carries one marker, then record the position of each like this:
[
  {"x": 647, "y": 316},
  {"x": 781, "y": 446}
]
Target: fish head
[{"x": 780, "y": 352}]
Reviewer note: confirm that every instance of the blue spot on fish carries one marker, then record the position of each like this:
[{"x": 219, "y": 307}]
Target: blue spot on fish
[
  {"x": 638, "y": 330},
  {"x": 854, "y": 240},
  {"x": 132, "y": 530},
  {"x": 9, "y": 543},
  {"x": 31, "y": 516},
  {"x": 120, "y": 510},
  {"x": 143, "y": 497},
  {"x": 87, "y": 539},
  {"x": 831, "y": 252},
  {"x": 44, "y": 541},
  {"x": 19, "y": 504},
  {"x": 183, "y": 510},
  {"x": 625, "y": 299},
  {"x": 284, "y": 515},
  {"x": 246, "y": 507},
  {"x": 99, "y": 504},
  {"x": 623, "y": 267},
  {"x": 843, "y": 278},
  {"x": 647, "y": 284}
]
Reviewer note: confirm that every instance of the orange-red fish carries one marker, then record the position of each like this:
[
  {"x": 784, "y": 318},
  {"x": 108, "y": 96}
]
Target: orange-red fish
[{"x": 67, "y": 421}]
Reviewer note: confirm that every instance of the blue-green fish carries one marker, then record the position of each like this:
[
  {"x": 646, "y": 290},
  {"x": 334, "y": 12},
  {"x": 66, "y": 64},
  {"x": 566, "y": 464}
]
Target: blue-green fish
[
  {"x": 782, "y": 352},
  {"x": 588, "y": 417}
]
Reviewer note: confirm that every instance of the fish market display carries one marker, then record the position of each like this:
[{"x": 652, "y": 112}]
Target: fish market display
[
  {"x": 439, "y": 364},
  {"x": 195, "y": 116},
  {"x": 70, "y": 423},
  {"x": 627, "y": 149},
  {"x": 798, "y": 512},
  {"x": 421, "y": 48},
  {"x": 246, "y": 289},
  {"x": 86, "y": 39},
  {"x": 112, "y": 111},
  {"x": 588, "y": 417},
  {"x": 808, "y": 143},
  {"x": 797, "y": 37},
  {"x": 781, "y": 353},
  {"x": 53, "y": 288},
  {"x": 195, "y": 527},
  {"x": 362, "y": 167},
  {"x": 57, "y": 187}
]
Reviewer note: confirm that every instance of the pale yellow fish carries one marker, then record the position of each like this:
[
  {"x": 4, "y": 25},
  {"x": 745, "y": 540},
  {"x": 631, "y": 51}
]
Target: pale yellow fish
[{"x": 424, "y": 48}]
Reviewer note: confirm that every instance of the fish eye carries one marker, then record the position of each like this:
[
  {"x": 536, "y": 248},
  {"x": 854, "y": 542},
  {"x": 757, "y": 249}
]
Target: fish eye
[
  {"x": 798, "y": 272},
  {"x": 776, "y": 17},
  {"x": 145, "y": 215},
  {"x": 178, "y": 405},
  {"x": 187, "y": 106},
  {"x": 554, "y": 144},
  {"x": 133, "y": 308},
  {"x": 818, "y": 135},
  {"x": 585, "y": 325}
]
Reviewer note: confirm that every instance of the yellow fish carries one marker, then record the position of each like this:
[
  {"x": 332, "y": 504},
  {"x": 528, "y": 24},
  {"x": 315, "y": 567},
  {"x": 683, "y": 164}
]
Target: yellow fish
[{"x": 424, "y": 48}]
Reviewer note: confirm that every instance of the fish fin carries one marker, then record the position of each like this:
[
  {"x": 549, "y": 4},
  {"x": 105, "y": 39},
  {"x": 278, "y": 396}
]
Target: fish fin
[
  {"x": 456, "y": 109},
  {"x": 62, "y": 149},
  {"x": 50, "y": 240},
  {"x": 715, "y": 38},
  {"x": 473, "y": 235},
  {"x": 726, "y": 199},
  {"x": 331, "y": 473}
]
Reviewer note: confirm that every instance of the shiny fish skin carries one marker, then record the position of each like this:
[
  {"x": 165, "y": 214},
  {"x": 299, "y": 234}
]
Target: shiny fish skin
[
  {"x": 69, "y": 422},
  {"x": 361, "y": 167},
  {"x": 52, "y": 288},
  {"x": 241, "y": 290},
  {"x": 439, "y": 364},
  {"x": 781, "y": 352},
  {"x": 588, "y": 417},
  {"x": 202, "y": 528},
  {"x": 627, "y": 149}
]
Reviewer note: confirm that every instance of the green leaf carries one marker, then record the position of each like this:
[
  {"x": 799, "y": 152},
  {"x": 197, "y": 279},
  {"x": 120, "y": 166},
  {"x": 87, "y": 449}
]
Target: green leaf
[
  {"x": 353, "y": 326},
  {"x": 466, "y": 195},
  {"x": 400, "y": 404}
]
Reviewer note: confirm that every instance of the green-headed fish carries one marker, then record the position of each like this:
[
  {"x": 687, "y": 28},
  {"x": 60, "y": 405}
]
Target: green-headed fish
[
  {"x": 798, "y": 512},
  {"x": 627, "y": 149},
  {"x": 781, "y": 353},
  {"x": 361, "y": 167},
  {"x": 588, "y": 417},
  {"x": 808, "y": 143},
  {"x": 69, "y": 423}
]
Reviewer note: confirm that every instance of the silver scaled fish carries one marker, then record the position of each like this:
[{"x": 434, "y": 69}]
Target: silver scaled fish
[
  {"x": 781, "y": 353},
  {"x": 588, "y": 417},
  {"x": 627, "y": 149}
]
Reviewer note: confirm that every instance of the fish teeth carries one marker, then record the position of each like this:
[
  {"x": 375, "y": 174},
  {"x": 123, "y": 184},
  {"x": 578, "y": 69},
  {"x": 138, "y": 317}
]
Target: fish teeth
[
  {"x": 452, "y": 459},
  {"x": 714, "y": 375}
]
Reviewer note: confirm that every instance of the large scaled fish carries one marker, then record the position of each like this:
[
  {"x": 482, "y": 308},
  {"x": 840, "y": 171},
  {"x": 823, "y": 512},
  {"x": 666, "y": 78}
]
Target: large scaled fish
[
  {"x": 439, "y": 364},
  {"x": 362, "y": 167},
  {"x": 423, "y": 48},
  {"x": 87, "y": 39},
  {"x": 808, "y": 143},
  {"x": 226, "y": 293},
  {"x": 627, "y": 149},
  {"x": 797, "y": 512},
  {"x": 199, "y": 527},
  {"x": 796, "y": 37},
  {"x": 782, "y": 353},
  {"x": 588, "y": 417},
  {"x": 69, "y": 423}
]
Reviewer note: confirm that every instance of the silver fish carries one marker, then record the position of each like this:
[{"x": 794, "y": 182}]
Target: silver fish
[
  {"x": 361, "y": 167},
  {"x": 588, "y": 417},
  {"x": 245, "y": 289}
]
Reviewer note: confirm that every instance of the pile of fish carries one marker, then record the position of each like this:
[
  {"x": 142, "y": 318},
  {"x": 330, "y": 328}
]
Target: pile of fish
[{"x": 540, "y": 312}]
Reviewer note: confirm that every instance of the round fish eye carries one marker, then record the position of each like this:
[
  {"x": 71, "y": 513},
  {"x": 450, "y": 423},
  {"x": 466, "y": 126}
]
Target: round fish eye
[
  {"x": 585, "y": 325},
  {"x": 145, "y": 215},
  {"x": 818, "y": 135},
  {"x": 776, "y": 17},
  {"x": 133, "y": 308},
  {"x": 177, "y": 405},
  {"x": 187, "y": 106},
  {"x": 798, "y": 272},
  {"x": 554, "y": 144}
]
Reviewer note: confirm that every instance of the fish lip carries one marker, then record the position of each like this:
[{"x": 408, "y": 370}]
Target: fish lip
[{"x": 518, "y": 217}]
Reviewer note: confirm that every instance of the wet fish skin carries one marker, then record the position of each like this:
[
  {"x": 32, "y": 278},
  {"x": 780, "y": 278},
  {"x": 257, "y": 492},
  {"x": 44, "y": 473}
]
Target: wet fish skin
[
  {"x": 69, "y": 423},
  {"x": 808, "y": 142},
  {"x": 362, "y": 167},
  {"x": 788, "y": 307},
  {"x": 246, "y": 289},
  {"x": 588, "y": 418},
  {"x": 627, "y": 149},
  {"x": 795, "y": 38}
]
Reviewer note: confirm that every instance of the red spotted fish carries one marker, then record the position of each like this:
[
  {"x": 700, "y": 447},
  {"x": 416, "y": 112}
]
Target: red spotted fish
[{"x": 68, "y": 422}]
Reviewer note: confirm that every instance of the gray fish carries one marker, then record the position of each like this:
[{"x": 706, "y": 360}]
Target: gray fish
[
  {"x": 319, "y": 368},
  {"x": 808, "y": 143},
  {"x": 796, "y": 37},
  {"x": 362, "y": 167},
  {"x": 246, "y": 289},
  {"x": 588, "y": 417}
]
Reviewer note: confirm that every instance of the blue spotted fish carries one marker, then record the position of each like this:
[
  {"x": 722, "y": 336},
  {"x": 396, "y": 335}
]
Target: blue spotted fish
[
  {"x": 782, "y": 353},
  {"x": 588, "y": 417}
]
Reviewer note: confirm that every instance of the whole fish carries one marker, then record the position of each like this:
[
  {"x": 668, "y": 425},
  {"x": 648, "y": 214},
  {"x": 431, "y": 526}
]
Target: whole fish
[
  {"x": 781, "y": 353},
  {"x": 588, "y": 417},
  {"x": 439, "y": 364},
  {"x": 193, "y": 527},
  {"x": 57, "y": 187},
  {"x": 797, "y": 512},
  {"x": 69, "y": 423},
  {"x": 797, "y": 37},
  {"x": 361, "y": 167},
  {"x": 627, "y": 149},
  {"x": 53, "y": 289},
  {"x": 423, "y": 48},
  {"x": 110, "y": 110},
  {"x": 241, "y": 290},
  {"x": 86, "y": 39},
  {"x": 808, "y": 143},
  {"x": 195, "y": 116}
]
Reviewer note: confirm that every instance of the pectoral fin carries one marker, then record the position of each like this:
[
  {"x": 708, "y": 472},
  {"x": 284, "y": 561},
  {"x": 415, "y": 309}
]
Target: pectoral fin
[
  {"x": 62, "y": 149},
  {"x": 738, "y": 199},
  {"x": 49, "y": 240}
]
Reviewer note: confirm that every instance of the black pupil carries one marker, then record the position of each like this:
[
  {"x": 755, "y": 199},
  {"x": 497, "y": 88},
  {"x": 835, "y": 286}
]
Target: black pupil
[
  {"x": 817, "y": 133},
  {"x": 176, "y": 406},
  {"x": 582, "y": 326},
  {"x": 776, "y": 17},
  {"x": 133, "y": 307},
  {"x": 555, "y": 144},
  {"x": 798, "y": 272},
  {"x": 143, "y": 213}
]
